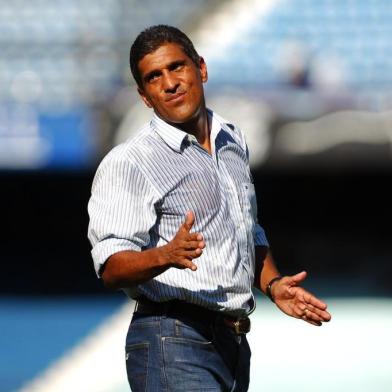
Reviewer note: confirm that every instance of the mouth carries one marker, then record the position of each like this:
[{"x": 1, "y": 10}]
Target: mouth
[{"x": 178, "y": 97}]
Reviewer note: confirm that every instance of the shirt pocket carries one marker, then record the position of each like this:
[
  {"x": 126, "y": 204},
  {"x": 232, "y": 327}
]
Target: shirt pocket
[{"x": 249, "y": 202}]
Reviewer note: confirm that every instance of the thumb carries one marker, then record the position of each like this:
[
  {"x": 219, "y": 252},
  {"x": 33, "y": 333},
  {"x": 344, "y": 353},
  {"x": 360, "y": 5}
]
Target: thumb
[
  {"x": 298, "y": 278},
  {"x": 189, "y": 221}
]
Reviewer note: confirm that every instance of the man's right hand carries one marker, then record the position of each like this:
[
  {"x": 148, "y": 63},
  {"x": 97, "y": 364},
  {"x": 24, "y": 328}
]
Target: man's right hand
[
  {"x": 184, "y": 247},
  {"x": 129, "y": 268}
]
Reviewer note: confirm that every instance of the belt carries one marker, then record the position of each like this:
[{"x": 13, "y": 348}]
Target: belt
[{"x": 176, "y": 307}]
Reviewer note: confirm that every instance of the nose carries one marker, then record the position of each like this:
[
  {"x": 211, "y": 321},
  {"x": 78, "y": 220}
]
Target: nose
[{"x": 169, "y": 82}]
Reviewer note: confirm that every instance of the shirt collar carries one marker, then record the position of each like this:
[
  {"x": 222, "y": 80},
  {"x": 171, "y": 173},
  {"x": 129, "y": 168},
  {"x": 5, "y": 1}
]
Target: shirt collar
[
  {"x": 218, "y": 125},
  {"x": 174, "y": 137}
]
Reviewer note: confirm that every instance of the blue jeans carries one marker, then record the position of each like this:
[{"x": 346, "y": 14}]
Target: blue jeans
[{"x": 167, "y": 354}]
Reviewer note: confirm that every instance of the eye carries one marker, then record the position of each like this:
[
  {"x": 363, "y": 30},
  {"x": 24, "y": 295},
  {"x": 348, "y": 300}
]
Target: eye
[
  {"x": 152, "y": 77},
  {"x": 177, "y": 66}
]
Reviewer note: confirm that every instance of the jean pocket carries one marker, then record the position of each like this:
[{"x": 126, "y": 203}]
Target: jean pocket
[
  {"x": 137, "y": 365},
  {"x": 188, "y": 365},
  {"x": 198, "y": 332}
]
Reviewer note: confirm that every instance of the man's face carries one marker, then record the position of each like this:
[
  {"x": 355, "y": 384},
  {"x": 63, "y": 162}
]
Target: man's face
[{"x": 172, "y": 83}]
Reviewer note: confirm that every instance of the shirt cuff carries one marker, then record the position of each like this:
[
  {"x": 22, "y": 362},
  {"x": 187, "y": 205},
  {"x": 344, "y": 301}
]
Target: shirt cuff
[
  {"x": 260, "y": 237},
  {"x": 106, "y": 248}
]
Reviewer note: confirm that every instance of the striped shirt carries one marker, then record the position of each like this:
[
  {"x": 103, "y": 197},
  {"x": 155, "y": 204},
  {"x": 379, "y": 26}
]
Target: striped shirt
[{"x": 142, "y": 191}]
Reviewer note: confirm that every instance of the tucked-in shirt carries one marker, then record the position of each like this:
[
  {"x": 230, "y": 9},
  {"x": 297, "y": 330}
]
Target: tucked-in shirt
[{"x": 142, "y": 191}]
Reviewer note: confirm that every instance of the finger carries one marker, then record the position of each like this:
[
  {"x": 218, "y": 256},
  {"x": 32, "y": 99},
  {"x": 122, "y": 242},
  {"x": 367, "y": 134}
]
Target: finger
[
  {"x": 192, "y": 266},
  {"x": 195, "y": 253},
  {"x": 299, "y": 313},
  {"x": 189, "y": 221},
  {"x": 307, "y": 298},
  {"x": 326, "y": 316},
  {"x": 321, "y": 314},
  {"x": 306, "y": 312},
  {"x": 316, "y": 323},
  {"x": 191, "y": 254},
  {"x": 311, "y": 299},
  {"x": 313, "y": 316},
  {"x": 298, "y": 278},
  {"x": 191, "y": 245},
  {"x": 185, "y": 263},
  {"x": 194, "y": 237}
]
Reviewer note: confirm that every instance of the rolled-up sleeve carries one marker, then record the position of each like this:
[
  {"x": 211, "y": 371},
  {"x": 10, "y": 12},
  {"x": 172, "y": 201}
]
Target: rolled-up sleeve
[
  {"x": 121, "y": 209},
  {"x": 260, "y": 237}
]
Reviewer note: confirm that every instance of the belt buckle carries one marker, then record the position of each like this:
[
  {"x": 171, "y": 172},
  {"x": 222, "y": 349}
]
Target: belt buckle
[{"x": 242, "y": 326}]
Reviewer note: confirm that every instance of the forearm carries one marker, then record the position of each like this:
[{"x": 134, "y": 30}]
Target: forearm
[
  {"x": 129, "y": 268},
  {"x": 265, "y": 268}
]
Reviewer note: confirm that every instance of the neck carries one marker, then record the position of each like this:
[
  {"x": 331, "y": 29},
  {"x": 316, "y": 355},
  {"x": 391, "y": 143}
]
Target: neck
[{"x": 199, "y": 127}]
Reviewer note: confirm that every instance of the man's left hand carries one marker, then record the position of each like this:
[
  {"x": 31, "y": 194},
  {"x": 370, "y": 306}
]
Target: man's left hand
[{"x": 297, "y": 302}]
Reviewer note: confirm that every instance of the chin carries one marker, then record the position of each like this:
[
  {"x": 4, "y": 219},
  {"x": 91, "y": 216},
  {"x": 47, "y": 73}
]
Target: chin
[
  {"x": 187, "y": 115},
  {"x": 180, "y": 118}
]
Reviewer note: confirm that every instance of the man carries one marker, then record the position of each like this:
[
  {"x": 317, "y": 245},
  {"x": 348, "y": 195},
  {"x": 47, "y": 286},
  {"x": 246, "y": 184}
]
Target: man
[{"x": 173, "y": 223}]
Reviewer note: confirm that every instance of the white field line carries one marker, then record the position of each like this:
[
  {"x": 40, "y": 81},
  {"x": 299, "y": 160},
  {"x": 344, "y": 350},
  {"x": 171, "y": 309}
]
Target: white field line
[
  {"x": 350, "y": 353},
  {"x": 97, "y": 364}
]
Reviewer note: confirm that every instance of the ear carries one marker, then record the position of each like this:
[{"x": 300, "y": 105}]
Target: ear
[
  {"x": 144, "y": 97},
  {"x": 203, "y": 70}
]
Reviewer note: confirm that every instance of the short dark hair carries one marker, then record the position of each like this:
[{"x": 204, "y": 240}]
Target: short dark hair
[{"x": 151, "y": 39}]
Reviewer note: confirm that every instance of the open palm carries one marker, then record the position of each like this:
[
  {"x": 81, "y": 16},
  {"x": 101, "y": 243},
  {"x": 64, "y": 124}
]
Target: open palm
[{"x": 297, "y": 302}]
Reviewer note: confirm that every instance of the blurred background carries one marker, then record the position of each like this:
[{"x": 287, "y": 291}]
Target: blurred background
[{"x": 309, "y": 82}]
